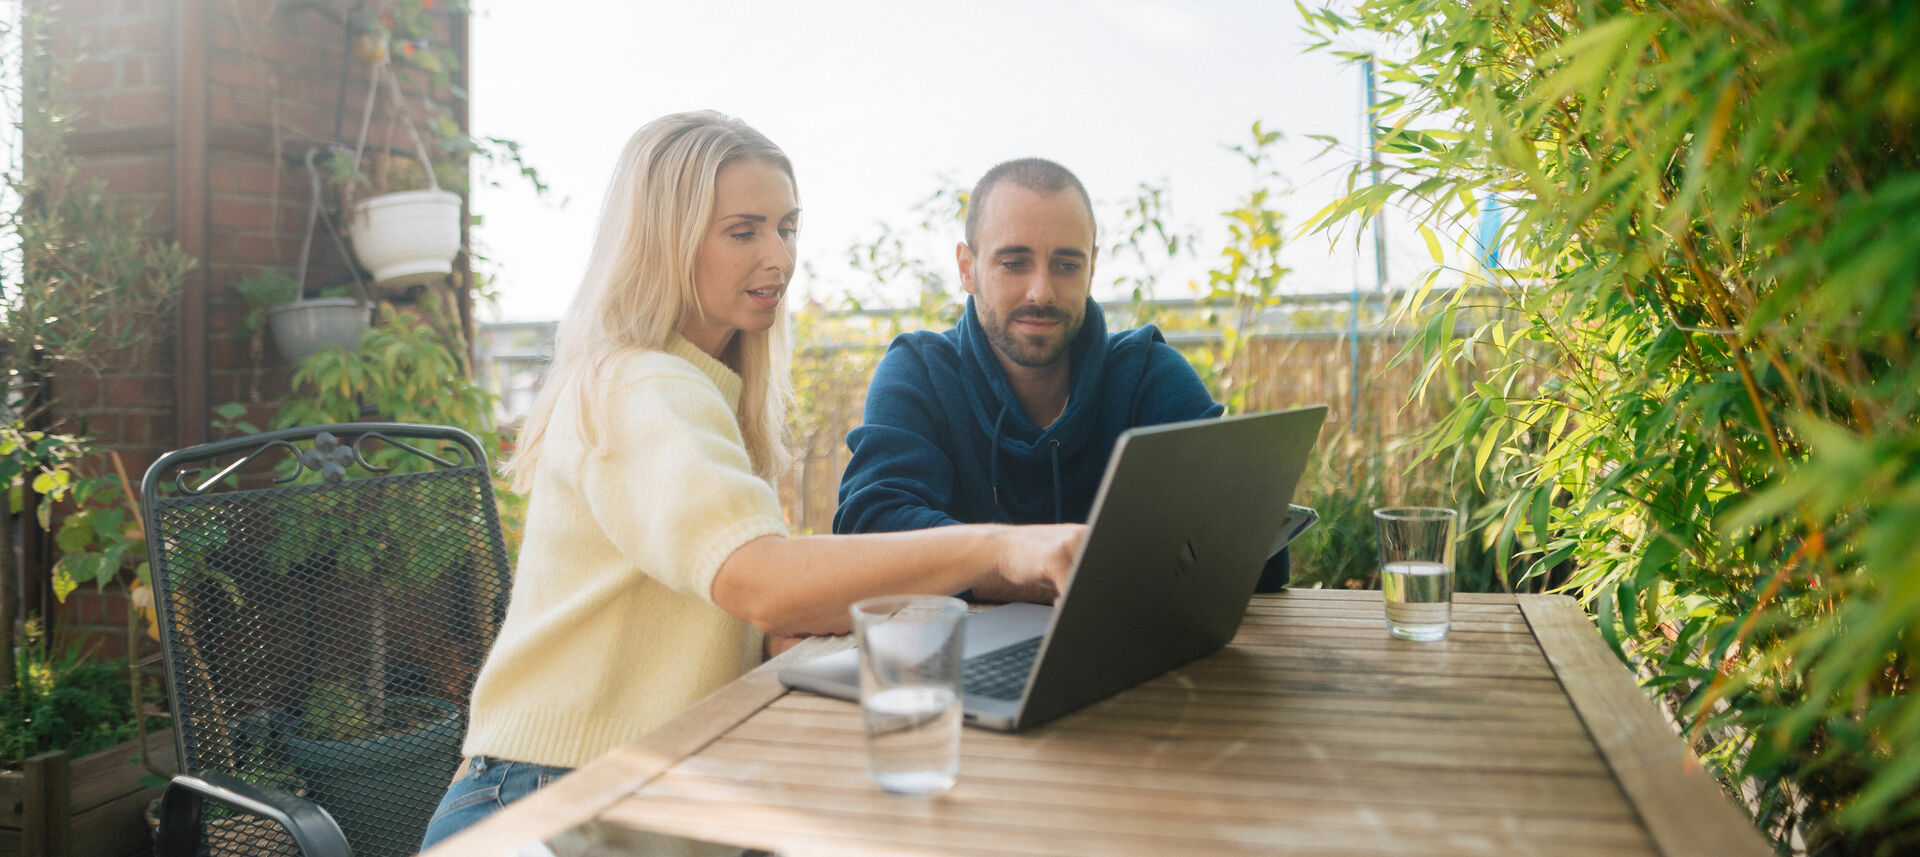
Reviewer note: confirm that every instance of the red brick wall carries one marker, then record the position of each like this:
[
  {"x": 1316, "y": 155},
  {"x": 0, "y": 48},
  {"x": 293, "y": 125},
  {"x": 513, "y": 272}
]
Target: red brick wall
[{"x": 272, "y": 76}]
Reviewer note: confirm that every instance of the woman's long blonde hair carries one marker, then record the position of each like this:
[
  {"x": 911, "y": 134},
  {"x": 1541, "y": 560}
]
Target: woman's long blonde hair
[{"x": 639, "y": 289}]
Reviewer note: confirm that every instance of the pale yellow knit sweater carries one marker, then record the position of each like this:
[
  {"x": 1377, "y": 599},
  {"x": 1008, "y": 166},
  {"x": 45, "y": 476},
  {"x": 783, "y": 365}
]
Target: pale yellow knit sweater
[{"x": 612, "y": 629}]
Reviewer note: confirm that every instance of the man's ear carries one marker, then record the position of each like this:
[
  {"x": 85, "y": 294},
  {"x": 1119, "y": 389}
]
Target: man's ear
[{"x": 963, "y": 256}]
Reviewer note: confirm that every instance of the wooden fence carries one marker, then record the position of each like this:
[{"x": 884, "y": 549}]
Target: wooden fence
[{"x": 1279, "y": 370}]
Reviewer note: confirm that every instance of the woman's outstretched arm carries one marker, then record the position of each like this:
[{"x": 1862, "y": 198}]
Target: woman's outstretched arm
[{"x": 803, "y": 585}]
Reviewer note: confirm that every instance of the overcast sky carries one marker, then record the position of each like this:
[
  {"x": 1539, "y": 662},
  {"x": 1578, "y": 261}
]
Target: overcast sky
[{"x": 881, "y": 102}]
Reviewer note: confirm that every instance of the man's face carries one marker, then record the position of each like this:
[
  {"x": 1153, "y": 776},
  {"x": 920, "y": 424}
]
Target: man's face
[{"x": 1029, "y": 272}]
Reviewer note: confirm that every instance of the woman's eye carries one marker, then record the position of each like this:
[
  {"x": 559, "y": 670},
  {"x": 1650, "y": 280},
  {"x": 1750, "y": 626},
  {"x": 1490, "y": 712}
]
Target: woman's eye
[
  {"x": 743, "y": 236},
  {"x": 789, "y": 232}
]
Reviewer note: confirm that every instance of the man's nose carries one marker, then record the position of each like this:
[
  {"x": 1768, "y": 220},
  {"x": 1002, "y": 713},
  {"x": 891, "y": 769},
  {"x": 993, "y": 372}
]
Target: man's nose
[{"x": 1038, "y": 289}]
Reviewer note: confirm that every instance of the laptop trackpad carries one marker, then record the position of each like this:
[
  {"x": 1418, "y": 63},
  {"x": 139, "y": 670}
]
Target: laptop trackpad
[{"x": 838, "y": 674}]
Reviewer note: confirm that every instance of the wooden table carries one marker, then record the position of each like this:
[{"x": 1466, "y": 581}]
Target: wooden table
[{"x": 1312, "y": 733}]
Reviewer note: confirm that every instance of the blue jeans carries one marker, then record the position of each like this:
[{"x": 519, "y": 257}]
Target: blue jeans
[{"x": 488, "y": 785}]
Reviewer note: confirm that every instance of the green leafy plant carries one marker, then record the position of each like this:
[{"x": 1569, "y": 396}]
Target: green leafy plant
[
  {"x": 270, "y": 288},
  {"x": 348, "y": 709},
  {"x": 99, "y": 537},
  {"x": 91, "y": 277},
  {"x": 64, "y": 701},
  {"x": 408, "y": 369},
  {"x": 1248, "y": 275},
  {"x": 1700, "y": 395}
]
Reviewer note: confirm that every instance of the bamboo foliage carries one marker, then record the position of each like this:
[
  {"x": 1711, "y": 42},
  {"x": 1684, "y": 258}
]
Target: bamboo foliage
[{"x": 1718, "y": 251}]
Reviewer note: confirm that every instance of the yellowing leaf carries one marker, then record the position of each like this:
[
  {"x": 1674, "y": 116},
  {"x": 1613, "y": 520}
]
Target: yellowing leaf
[
  {"x": 1433, "y": 244},
  {"x": 63, "y": 581}
]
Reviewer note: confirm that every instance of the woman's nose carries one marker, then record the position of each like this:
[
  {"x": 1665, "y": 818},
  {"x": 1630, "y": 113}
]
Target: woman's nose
[{"x": 781, "y": 256}]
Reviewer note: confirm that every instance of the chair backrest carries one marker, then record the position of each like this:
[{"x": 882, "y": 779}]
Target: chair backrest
[{"x": 326, "y": 596}]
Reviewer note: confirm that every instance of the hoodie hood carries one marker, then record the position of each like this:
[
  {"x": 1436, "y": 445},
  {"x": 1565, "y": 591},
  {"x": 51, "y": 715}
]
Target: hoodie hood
[
  {"x": 994, "y": 402},
  {"x": 945, "y": 440}
]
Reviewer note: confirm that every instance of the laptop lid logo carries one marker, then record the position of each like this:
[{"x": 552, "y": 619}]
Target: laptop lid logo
[{"x": 1187, "y": 561}]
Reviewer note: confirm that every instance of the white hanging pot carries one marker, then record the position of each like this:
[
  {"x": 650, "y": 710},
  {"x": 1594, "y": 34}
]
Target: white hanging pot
[
  {"x": 304, "y": 327},
  {"x": 408, "y": 237}
]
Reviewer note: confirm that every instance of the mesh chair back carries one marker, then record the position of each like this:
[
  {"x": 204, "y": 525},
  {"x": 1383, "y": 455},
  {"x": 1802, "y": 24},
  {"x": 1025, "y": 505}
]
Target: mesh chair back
[{"x": 326, "y": 597}]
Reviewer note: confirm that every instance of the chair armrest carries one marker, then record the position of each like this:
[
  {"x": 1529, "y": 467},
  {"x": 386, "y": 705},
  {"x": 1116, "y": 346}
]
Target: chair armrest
[{"x": 312, "y": 829}]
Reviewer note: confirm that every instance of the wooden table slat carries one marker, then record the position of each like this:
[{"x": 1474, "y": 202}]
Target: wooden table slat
[
  {"x": 1278, "y": 711},
  {"x": 1102, "y": 737},
  {"x": 1513, "y": 792}
]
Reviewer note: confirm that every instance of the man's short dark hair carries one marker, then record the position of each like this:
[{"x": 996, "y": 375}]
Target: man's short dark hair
[{"x": 1035, "y": 174}]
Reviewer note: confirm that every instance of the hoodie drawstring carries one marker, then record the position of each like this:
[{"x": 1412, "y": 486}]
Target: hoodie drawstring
[
  {"x": 993, "y": 469},
  {"x": 1055, "y": 444}
]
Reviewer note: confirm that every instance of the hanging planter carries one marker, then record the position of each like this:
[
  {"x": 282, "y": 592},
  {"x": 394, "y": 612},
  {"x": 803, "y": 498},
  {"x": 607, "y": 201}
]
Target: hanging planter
[
  {"x": 408, "y": 237},
  {"x": 404, "y": 238},
  {"x": 303, "y": 327}
]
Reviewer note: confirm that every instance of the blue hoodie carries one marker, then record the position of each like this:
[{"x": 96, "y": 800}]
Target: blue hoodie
[{"x": 945, "y": 440}]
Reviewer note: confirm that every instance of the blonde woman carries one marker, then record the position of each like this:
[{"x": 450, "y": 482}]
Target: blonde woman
[{"x": 655, "y": 553}]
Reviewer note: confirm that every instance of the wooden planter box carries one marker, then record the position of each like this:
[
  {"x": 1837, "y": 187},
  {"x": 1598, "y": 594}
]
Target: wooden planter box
[{"x": 94, "y": 806}]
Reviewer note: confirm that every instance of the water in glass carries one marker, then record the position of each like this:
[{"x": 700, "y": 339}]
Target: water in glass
[
  {"x": 913, "y": 738},
  {"x": 1418, "y": 596}
]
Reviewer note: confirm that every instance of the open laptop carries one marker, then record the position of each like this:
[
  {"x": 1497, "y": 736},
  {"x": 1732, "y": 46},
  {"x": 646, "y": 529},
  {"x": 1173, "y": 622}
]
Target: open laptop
[{"x": 1185, "y": 519}]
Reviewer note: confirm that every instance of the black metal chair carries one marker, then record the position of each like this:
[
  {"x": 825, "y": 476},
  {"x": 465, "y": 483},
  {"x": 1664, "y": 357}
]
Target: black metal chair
[{"x": 321, "y": 632}]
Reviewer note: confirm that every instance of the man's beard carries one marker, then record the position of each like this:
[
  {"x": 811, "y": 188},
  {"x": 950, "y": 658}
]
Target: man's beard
[{"x": 1030, "y": 351}]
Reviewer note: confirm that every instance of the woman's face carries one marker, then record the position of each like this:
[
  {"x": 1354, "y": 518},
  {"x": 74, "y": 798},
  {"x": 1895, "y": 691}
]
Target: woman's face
[{"x": 746, "y": 258}]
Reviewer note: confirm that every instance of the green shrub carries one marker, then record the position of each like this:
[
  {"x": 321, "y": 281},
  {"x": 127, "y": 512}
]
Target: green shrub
[
  {"x": 409, "y": 369},
  {"x": 1698, "y": 399},
  {"x": 65, "y": 702}
]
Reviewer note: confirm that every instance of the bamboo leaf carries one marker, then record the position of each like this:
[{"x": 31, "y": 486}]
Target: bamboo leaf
[{"x": 1433, "y": 244}]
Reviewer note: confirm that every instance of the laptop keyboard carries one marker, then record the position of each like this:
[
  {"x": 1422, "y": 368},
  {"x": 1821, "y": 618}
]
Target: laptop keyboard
[{"x": 1001, "y": 673}]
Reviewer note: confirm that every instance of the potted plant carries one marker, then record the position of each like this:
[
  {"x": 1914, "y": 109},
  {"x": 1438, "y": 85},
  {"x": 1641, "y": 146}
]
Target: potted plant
[
  {"x": 408, "y": 231},
  {"x": 405, "y": 237},
  {"x": 301, "y": 326},
  {"x": 403, "y": 208}
]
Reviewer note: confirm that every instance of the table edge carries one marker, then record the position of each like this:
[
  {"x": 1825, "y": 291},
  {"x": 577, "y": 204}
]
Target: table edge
[
  {"x": 1683, "y": 808},
  {"x": 582, "y": 795}
]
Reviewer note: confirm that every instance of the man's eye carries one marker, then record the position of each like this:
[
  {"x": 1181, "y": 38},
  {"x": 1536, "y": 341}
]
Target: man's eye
[
  {"x": 1067, "y": 267},
  {"x": 1014, "y": 264}
]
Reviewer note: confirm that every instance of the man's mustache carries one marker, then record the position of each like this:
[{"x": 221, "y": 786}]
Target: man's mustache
[{"x": 1040, "y": 313}]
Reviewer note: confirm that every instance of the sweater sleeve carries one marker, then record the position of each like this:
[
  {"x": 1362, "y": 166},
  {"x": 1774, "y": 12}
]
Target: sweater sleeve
[
  {"x": 899, "y": 476},
  {"x": 673, "y": 487}
]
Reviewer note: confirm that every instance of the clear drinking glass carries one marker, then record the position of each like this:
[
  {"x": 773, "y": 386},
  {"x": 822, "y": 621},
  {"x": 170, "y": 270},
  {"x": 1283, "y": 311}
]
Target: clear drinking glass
[
  {"x": 910, "y": 690},
  {"x": 1416, "y": 570}
]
